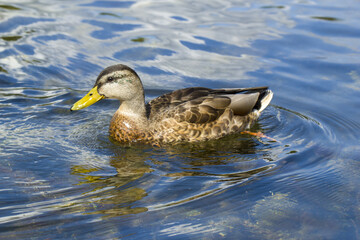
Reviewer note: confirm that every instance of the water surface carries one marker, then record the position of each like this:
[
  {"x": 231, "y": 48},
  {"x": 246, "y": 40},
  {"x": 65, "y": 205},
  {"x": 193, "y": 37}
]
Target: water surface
[{"x": 62, "y": 178}]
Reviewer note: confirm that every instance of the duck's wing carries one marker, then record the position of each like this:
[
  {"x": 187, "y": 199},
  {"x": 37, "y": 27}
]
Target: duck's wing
[
  {"x": 177, "y": 97},
  {"x": 203, "y": 105}
]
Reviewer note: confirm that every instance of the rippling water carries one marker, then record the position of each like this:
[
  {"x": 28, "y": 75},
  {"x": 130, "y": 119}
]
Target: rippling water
[{"x": 61, "y": 177}]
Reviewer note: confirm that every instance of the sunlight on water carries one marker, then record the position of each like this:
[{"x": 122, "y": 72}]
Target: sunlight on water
[{"x": 62, "y": 177}]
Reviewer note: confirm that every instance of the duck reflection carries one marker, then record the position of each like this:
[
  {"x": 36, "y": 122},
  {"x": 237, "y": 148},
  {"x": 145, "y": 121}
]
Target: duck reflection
[
  {"x": 214, "y": 164},
  {"x": 114, "y": 195},
  {"x": 228, "y": 161}
]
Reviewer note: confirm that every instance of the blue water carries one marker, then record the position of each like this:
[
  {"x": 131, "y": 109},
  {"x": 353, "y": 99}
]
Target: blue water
[{"x": 62, "y": 178}]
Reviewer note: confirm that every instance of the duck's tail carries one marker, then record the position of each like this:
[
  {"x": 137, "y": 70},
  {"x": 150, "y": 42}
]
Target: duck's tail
[
  {"x": 264, "y": 100},
  {"x": 247, "y": 100}
]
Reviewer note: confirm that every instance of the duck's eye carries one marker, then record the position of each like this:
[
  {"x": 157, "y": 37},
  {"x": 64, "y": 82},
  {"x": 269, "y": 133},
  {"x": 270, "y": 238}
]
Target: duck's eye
[{"x": 110, "y": 79}]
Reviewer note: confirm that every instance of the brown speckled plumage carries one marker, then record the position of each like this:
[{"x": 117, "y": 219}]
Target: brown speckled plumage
[{"x": 191, "y": 114}]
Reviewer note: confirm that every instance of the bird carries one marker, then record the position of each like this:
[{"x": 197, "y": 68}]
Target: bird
[{"x": 192, "y": 114}]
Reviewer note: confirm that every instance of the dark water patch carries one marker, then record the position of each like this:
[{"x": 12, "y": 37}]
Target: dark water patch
[
  {"x": 109, "y": 29},
  {"x": 15, "y": 22},
  {"x": 142, "y": 53},
  {"x": 3, "y": 70},
  {"x": 55, "y": 37},
  {"x": 276, "y": 7},
  {"x": 25, "y": 48},
  {"x": 110, "y": 14},
  {"x": 139, "y": 39},
  {"x": 222, "y": 48},
  {"x": 179, "y": 18},
  {"x": 9, "y": 7},
  {"x": 11, "y": 38},
  {"x": 109, "y": 4},
  {"x": 326, "y": 18}
]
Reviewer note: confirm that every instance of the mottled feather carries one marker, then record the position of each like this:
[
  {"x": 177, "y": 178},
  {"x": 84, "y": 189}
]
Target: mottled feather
[{"x": 203, "y": 105}]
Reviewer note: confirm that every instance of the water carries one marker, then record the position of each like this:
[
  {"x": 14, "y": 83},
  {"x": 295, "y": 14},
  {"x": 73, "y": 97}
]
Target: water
[{"x": 62, "y": 178}]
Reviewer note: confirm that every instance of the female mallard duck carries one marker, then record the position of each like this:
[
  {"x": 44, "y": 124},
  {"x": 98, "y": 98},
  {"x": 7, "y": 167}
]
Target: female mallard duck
[{"x": 189, "y": 114}]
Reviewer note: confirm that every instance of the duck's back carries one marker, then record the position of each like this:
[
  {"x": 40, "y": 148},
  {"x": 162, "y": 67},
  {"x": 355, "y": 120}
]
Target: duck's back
[{"x": 197, "y": 114}]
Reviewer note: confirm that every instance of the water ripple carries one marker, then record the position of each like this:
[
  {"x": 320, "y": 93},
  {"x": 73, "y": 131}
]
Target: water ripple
[
  {"x": 61, "y": 175},
  {"x": 109, "y": 29},
  {"x": 15, "y": 22}
]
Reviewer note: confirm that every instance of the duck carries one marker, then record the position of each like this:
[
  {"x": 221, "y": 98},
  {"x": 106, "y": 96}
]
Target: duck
[{"x": 186, "y": 115}]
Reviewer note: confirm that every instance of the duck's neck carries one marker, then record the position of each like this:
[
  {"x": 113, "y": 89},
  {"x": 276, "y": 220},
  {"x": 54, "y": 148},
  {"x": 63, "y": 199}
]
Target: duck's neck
[
  {"x": 129, "y": 122},
  {"x": 133, "y": 109}
]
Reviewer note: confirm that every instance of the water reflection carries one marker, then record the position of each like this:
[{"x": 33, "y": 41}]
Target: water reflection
[
  {"x": 116, "y": 194},
  {"x": 109, "y": 4},
  {"x": 61, "y": 176},
  {"x": 326, "y": 18},
  {"x": 142, "y": 172},
  {"x": 9, "y": 7}
]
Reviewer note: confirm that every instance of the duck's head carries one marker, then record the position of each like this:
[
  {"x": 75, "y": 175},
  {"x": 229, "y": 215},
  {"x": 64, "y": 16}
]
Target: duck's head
[{"x": 116, "y": 82}]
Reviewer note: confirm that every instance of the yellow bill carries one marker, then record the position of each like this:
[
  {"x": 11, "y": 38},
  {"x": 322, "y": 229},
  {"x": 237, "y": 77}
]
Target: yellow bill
[{"x": 92, "y": 97}]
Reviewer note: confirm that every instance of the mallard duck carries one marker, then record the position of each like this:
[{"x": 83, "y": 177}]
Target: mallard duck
[{"x": 185, "y": 115}]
